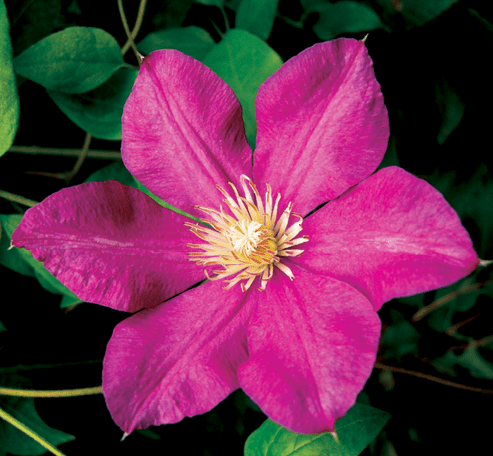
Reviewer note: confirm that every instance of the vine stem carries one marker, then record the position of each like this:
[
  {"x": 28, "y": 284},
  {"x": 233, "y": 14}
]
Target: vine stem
[
  {"x": 127, "y": 31},
  {"x": 18, "y": 199},
  {"x": 51, "y": 393},
  {"x": 33, "y": 150},
  {"x": 447, "y": 298},
  {"x": 22, "y": 427},
  {"x": 135, "y": 31},
  {"x": 431, "y": 378}
]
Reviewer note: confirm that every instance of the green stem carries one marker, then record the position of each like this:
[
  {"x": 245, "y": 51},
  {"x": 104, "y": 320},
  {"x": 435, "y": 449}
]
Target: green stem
[
  {"x": 18, "y": 199},
  {"x": 51, "y": 393},
  {"x": 33, "y": 150},
  {"x": 22, "y": 427}
]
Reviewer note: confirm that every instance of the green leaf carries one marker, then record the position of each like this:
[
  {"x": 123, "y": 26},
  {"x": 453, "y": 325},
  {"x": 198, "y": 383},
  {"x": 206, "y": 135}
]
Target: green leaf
[
  {"x": 47, "y": 281},
  {"x": 193, "y": 41},
  {"x": 9, "y": 100},
  {"x": 344, "y": 17},
  {"x": 355, "y": 431},
  {"x": 244, "y": 62},
  {"x": 12, "y": 258},
  {"x": 257, "y": 17},
  {"x": 14, "y": 441},
  {"x": 99, "y": 112},
  {"x": 33, "y": 20},
  {"x": 473, "y": 200},
  {"x": 74, "y": 60},
  {"x": 400, "y": 338},
  {"x": 115, "y": 171},
  {"x": 218, "y": 3},
  {"x": 415, "y": 12},
  {"x": 470, "y": 359}
]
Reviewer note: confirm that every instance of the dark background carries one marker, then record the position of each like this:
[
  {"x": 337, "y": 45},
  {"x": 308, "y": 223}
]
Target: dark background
[{"x": 428, "y": 73}]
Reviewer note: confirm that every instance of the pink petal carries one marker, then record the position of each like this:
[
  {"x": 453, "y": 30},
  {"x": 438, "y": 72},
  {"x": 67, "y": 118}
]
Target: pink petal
[
  {"x": 110, "y": 244},
  {"x": 322, "y": 125},
  {"x": 182, "y": 132},
  {"x": 312, "y": 345},
  {"x": 178, "y": 359},
  {"x": 393, "y": 235}
]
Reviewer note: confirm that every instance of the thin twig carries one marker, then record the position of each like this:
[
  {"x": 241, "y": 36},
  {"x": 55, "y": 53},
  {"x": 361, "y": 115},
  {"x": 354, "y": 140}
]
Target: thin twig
[
  {"x": 473, "y": 343},
  {"x": 18, "y": 199},
  {"x": 432, "y": 378},
  {"x": 453, "y": 329},
  {"x": 34, "y": 150},
  {"x": 447, "y": 298}
]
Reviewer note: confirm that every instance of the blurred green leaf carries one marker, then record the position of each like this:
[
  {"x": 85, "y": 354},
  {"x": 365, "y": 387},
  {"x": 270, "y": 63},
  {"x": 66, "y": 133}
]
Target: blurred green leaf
[
  {"x": 74, "y": 60},
  {"x": 99, "y": 112},
  {"x": 355, "y": 431},
  {"x": 244, "y": 62},
  {"x": 400, "y": 338},
  {"x": 473, "y": 201},
  {"x": 14, "y": 441},
  {"x": 193, "y": 41},
  {"x": 442, "y": 318},
  {"x": 451, "y": 109},
  {"x": 47, "y": 281},
  {"x": 469, "y": 359},
  {"x": 344, "y": 17},
  {"x": 256, "y": 17},
  {"x": 415, "y": 12},
  {"x": 218, "y": 3},
  {"x": 9, "y": 100}
]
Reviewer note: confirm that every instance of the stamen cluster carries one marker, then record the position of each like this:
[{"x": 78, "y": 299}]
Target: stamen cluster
[{"x": 249, "y": 243}]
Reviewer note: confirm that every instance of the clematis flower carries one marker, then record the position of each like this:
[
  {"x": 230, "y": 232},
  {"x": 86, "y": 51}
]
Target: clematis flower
[{"x": 289, "y": 310}]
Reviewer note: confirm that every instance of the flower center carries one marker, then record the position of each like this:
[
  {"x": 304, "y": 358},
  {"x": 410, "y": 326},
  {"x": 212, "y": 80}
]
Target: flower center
[{"x": 251, "y": 242}]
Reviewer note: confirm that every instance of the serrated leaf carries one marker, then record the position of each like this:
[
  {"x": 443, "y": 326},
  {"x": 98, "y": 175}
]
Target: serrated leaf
[
  {"x": 256, "y": 17},
  {"x": 244, "y": 62},
  {"x": 46, "y": 280},
  {"x": 416, "y": 12},
  {"x": 9, "y": 100},
  {"x": 74, "y": 60},
  {"x": 193, "y": 41},
  {"x": 344, "y": 17},
  {"x": 355, "y": 431},
  {"x": 99, "y": 112},
  {"x": 15, "y": 441}
]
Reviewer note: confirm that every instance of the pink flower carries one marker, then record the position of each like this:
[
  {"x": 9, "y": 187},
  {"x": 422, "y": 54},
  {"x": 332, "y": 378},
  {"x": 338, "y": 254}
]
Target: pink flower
[{"x": 302, "y": 347}]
